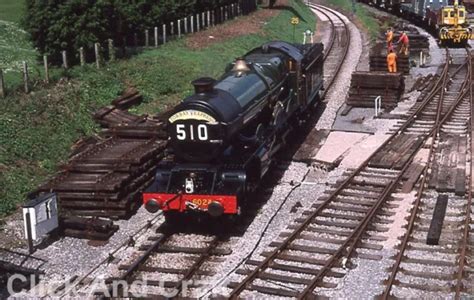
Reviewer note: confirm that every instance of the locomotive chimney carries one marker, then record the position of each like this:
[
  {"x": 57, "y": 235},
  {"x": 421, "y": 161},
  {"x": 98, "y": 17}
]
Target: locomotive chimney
[{"x": 203, "y": 85}]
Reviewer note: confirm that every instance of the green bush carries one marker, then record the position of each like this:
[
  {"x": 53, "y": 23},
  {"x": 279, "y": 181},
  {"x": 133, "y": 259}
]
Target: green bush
[{"x": 57, "y": 25}]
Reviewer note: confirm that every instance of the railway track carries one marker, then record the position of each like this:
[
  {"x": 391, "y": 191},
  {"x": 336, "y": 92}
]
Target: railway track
[
  {"x": 432, "y": 257},
  {"x": 172, "y": 264},
  {"x": 338, "y": 46},
  {"x": 351, "y": 219}
]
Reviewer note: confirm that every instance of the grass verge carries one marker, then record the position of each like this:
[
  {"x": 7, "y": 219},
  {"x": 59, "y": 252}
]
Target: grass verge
[
  {"x": 368, "y": 21},
  {"x": 37, "y": 130}
]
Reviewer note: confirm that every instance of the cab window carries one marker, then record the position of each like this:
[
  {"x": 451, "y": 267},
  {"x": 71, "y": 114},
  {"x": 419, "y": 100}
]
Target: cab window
[
  {"x": 445, "y": 14},
  {"x": 451, "y": 14},
  {"x": 461, "y": 14}
]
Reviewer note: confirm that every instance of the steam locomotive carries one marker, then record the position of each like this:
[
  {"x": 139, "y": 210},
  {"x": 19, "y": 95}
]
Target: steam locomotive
[{"x": 224, "y": 137}]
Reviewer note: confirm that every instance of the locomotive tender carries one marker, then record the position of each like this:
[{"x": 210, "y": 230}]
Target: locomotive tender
[{"x": 224, "y": 137}]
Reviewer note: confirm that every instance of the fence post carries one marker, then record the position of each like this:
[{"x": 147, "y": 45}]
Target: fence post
[
  {"x": 164, "y": 33},
  {"x": 208, "y": 19},
  {"x": 25, "y": 77},
  {"x": 97, "y": 54},
  {"x": 185, "y": 25},
  {"x": 147, "y": 38},
  {"x": 192, "y": 24},
  {"x": 46, "y": 68},
  {"x": 156, "y": 36},
  {"x": 82, "y": 57},
  {"x": 172, "y": 29},
  {"x": 2, "y": 85},
  {"x": 203, "y": 20},
  {"x": 179, "y": 28},
  {"x": 111, "y": 50},
  {"x": 64, "y": 54},
  {"x": 197, "y": 22}
]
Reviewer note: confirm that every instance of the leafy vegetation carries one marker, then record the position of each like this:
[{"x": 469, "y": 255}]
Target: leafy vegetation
[
  {"x": 60, "y": 25},
  {"x": 15, "y": 46},
  {"x": 37, "y": 130},
  {"x": 11, "y": 10}
]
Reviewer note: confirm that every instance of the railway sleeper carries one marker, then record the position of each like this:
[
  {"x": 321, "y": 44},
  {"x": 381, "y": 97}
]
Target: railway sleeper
[
  {"x": 433, "y": 248},
  {"x": 428, "y": 262},
  {"x": 380, "y": 174},
  {"x": 188, "y": 250},
  {"x": 365, "y": 242},
  {"x": 340, "y": 233},
  {"x": 442, "y": 243},
  {"x": 170, "y": 284},
  {"x": 338, "y": 207},
  {"x": 268, "y": 290},
  {"x": 365, "y": 188},
  {"x": 352, "y": 200},
  {"x": 293, "y": 268},
  {"x": 366, "y": 195},
  {"x": 351, "y": 225},
  {"x": 152, "y": 269},
  {"x": 358, "y": 217},
  {"x": 285, "y": 256},
  {"x": 288, "y": 279},
  {"x": 321, "y": 250},
  {"x": 424, "y": 287},
  {"x": 430, "y": 275}
]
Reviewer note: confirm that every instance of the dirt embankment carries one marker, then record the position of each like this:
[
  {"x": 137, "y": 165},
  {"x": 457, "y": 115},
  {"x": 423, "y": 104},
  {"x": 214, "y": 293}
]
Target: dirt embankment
[{"x": 244, "y": 25}]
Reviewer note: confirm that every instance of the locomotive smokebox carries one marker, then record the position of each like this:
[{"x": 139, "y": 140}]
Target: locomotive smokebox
[{"x": 203, "y": 85}]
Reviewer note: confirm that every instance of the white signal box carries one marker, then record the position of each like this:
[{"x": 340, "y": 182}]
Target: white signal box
[{"x": 40, "y": 216}]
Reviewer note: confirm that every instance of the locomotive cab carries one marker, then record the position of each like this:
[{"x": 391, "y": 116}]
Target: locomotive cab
[{"x": 452, "y": 25}]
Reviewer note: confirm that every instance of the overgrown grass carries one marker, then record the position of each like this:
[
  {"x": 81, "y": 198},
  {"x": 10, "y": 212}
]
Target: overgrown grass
[
  {"x": 37, "y": 130},
  {"x": 15, "y": 46},
  {"x": 369, "y": 22}
]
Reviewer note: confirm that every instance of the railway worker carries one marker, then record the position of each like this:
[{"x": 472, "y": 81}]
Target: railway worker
[
  {"x": 389, "y": 35},
  {"x": 404, "y": 40},
  {"x": 392, "y": 62}
]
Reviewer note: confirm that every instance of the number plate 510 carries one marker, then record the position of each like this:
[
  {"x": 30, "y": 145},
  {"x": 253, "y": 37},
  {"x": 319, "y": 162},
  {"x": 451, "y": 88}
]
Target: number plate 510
[{"x": 192, "y": 132}]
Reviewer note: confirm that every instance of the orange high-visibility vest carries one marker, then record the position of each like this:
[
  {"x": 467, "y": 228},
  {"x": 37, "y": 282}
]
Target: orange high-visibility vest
[{"x": 391, "y": 58}]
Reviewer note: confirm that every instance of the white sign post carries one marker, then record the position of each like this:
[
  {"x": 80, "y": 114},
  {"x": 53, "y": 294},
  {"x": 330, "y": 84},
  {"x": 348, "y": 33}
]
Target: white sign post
[
  {"x": 378, "y": 105},
  {"x": 40, "y": 217}
]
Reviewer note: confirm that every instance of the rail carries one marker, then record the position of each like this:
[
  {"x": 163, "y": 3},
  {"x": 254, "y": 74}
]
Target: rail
[
  {"x": 412, "y": 221},
  {"x": 340, "y": 60},
  {"x": 355, "y": 237}
]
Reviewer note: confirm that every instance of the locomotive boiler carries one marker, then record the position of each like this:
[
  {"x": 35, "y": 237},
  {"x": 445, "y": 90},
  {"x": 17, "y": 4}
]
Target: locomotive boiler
[{"x": 224, "y": 137}]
